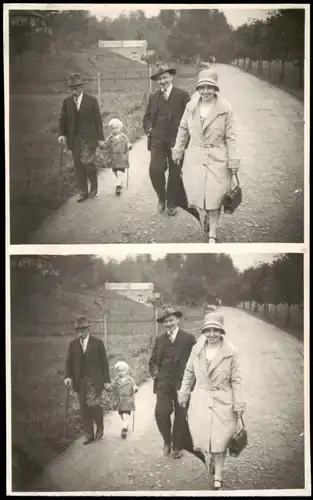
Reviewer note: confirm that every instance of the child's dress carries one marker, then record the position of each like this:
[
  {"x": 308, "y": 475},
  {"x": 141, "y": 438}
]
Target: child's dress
[
  {"x": 117, "y": 152},
  {"x": 123, "y": 394}
]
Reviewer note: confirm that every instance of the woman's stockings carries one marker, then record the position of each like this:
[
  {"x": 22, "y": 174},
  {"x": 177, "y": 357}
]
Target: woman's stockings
[{"x": 214, "y": 218}]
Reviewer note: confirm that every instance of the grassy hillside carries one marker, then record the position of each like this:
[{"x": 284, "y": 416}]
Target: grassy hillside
[
  {"x": 39, "y": 184},
  {"x": 39, "y": 427}
]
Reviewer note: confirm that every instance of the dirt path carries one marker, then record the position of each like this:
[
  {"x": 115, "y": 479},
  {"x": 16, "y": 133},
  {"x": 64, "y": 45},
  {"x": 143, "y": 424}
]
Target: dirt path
[
  {"x": 273, "y": 370},
  {"x": 270, "y": 126}
]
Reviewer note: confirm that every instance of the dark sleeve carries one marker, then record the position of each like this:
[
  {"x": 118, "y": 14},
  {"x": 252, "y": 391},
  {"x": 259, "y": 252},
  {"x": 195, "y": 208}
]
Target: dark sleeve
[
  {"x": 153, "y": 367},
  {"x": 104, "y": 363},
  {"x": 63, "y": 120},
  {"x": 186, "y": 99},
  {"x": 68, "y": 363},
  {"x": 147, "y": 125},
  {"x": 98, "y": 120}
]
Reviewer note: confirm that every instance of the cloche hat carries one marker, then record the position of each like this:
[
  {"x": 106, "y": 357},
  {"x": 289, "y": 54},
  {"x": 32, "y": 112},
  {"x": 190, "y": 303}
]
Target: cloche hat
[
  {"x": 207, "y": 77},
  {"x": 213, "y": 320}
]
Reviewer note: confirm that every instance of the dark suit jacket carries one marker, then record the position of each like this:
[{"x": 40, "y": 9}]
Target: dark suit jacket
[
  {"x": 178, "y": 100},
  {"x": 184, "y": 343},
  {"x": 96, "y": 360},
  {"x": 91, "y": 121}
]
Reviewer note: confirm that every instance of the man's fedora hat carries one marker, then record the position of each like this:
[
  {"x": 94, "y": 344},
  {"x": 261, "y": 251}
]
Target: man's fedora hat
[
  {"x": 207, "y": 77},
  {"x": 81, "y": 323},
  {"x": 75, "y": 80},
  {"x": 213, "y": 320},
  {"x": 167, "y": 311},
  {"x": 162, "y": 68}
]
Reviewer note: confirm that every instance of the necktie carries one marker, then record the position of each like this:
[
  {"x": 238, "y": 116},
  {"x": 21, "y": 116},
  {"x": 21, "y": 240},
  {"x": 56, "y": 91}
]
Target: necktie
[
  {"x": 82, "y": 343},
  {"x": 76, "y": 102}
]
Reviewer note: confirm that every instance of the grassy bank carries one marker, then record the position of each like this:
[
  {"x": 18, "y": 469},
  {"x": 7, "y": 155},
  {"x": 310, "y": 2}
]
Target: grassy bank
[
  {"x": 273, "y": 76},
  {"x": 295, "y": 324}
]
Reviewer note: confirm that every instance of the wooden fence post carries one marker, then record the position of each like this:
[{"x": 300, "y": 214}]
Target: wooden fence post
[
  {"x": 150, "y": 81},
  {"x": 99, "y": 88},
  {"x": 105, "y": 331}
]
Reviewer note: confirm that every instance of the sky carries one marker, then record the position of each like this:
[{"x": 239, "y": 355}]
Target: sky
[
  {"x": 235, "y": 16},
  {"x": 240, "y": 261}
]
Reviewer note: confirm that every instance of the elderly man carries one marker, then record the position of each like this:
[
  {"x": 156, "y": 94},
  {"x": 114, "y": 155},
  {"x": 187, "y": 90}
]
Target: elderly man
[
  {"x": 167, "y": 364},
  {"x": 81, "y": 127},
  {"x": 160, "y": 123},
  {"x": 87, "y": 372}
]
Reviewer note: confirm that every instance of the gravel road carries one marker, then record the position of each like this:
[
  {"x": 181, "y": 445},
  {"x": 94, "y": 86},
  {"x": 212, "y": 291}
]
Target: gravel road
[
  {"x": 274, "y": 459},
  {"x": 270, "y": 125}
]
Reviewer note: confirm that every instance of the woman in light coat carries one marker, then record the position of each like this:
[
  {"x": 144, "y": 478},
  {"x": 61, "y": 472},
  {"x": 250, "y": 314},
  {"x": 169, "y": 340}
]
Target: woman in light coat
[
  {"x": 217, "y": 401},
  {"x": 211, "y": 158}
]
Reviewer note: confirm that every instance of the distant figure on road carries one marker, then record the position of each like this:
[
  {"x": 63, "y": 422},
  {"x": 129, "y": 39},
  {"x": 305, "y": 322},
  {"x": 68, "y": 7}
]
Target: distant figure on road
[
  {"x": 81, "y": 128},
  {"x": 160, "y": 123},
  {"x": 167, "y": 364},
  {"x": 87, "y": 372},
  {"x": 117, "y": 146},
  {"x": 217, "y": 403},
  {"x": 211, "y": 159},
  {"x": 124, "y": 388}
]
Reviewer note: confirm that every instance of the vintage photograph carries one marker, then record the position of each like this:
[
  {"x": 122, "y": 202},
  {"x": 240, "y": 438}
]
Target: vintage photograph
[
  {"x": 157, "y": 372},
  {"x": 142, "y": 124}
]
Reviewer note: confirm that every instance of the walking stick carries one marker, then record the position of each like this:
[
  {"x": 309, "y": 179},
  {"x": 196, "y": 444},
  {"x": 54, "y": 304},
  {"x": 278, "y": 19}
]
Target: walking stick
[
  {"x": 127, "y": 177},
  {"x": 133, "y": 420},
  {"x": 67, "y": 397},
  {"x": 60, "y": 169}
]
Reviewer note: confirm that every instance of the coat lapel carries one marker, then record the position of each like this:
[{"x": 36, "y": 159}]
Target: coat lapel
[
  {"x": 179, "y": 345},
  {"x": 218, "y": 108},
  {"x": 224, "y": 351}
]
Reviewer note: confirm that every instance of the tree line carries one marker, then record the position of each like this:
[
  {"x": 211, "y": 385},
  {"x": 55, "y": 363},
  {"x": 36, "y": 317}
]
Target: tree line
[
  {"x": 184, "y": 35},
  {"x": 184, "y": 279}
]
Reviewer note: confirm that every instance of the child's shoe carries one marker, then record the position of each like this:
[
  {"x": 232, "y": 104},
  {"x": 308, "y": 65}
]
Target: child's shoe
[
  {"x": 118, "y": 190},
  {"x": 124, "y": 432}
]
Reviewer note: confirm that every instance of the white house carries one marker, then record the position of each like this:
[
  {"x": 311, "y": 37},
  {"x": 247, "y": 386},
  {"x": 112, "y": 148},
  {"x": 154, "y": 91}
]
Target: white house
[
  {"x": 139, "y": 292},
  {"x": 133, "y": 49}
]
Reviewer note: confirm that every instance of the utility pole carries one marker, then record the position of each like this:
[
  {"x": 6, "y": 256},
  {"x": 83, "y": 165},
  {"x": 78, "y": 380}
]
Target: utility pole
[{"x": 103, "y": 319}]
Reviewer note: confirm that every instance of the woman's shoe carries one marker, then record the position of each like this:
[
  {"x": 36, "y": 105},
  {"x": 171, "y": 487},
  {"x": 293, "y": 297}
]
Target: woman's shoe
[
  {"x": 118, "y": 190},
  {"x": 212, "y": 239},
  {"x": 217, "y": 485}
]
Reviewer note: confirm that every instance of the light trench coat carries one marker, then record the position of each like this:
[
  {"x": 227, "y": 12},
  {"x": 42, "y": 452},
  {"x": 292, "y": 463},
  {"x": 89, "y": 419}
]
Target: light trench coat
[
  {"x": 211, "y": 152},
  {"x": 218, "y": 393}
]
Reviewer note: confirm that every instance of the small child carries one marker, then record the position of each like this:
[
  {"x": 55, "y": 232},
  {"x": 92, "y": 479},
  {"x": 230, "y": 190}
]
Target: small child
[
  {"x": 124, "y": 388},
  {"x": 118, "y": 146}
]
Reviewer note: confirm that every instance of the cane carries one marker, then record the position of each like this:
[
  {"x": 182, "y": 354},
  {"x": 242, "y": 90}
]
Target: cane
[
  {"x": 60, "y": 169},
  {"x": 67, "y": 398},
  {"x": 134, "y": 415},
  {"x": 127, "y": 177}
]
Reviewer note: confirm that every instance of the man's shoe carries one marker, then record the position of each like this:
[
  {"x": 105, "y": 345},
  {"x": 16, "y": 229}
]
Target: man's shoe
[
  {"x": 93, "y": 193},
  {"x": 82, "y": 197},
  {"x": 124, "y": 432},
  {"x": 161, "y": 207},
  {"x": 166, "y": 450},
  {"x": 88, "y": 439},
  {"x": 172, "y": 211},
  {"x": 177, "y": 453},
  {"x": 99, "y": 434}
]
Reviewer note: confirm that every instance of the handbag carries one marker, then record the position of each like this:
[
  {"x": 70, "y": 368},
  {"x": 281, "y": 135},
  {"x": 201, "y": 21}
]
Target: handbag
[
  {"x": 238, "y": 441},
  {"x": 232, "y": 198}
]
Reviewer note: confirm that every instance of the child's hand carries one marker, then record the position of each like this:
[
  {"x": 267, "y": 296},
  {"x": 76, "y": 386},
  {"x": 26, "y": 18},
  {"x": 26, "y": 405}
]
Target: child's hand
[
  {"x": 101, "y": 144},
  {"x": 129, "y": 146}
]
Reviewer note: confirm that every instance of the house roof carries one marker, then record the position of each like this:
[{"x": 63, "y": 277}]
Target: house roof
[
  {"x": 129, "y": 286},
  {"x": 113, "y": 44}
]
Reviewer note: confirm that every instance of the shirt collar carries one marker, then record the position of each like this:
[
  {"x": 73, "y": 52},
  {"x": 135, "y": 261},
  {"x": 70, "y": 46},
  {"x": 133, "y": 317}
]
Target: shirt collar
[
  {"x": 173, "y": 335},
  {"x": 85, "y": 340},
  {"x": 168, "y": 91},
  {"x": 79, "y": 98}
]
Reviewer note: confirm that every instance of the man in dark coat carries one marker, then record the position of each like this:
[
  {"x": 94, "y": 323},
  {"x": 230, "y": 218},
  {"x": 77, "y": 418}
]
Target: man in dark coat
[
  {"x": 81, "y": 127},
  {"x": 160, "y": 123},
  {"x": 167, "y": 364},
  {"x": 87, "y": 372}
]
